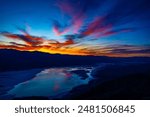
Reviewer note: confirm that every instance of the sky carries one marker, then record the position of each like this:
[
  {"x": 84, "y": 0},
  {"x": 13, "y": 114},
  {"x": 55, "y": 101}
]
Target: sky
[{"x": 117, "y": 28}]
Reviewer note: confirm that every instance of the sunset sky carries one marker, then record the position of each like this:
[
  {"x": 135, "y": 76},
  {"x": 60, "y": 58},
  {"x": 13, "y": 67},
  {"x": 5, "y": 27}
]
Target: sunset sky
[{"x": 76, "y": 27}]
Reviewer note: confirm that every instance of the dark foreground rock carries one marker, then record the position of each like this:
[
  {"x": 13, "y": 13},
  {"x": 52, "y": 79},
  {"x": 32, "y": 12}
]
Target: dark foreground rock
[{"x": 116, "y": 82}]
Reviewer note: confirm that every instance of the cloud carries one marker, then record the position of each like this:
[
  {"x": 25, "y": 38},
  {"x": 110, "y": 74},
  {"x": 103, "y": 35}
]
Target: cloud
[
  {"x": 17, "y": 44},
  {"x": 28, "y": 39},
  {"x": 127, "y": 50},
  {"x": 33, "y": 41},
  {"x": 73, "y": 48},
  {"x": 130, "y": 49},
  {"x": 76, "y": 17},
  {"x": 97, "y": 29},
  {"x": 98, "y": 26},
  {"x": 85, "y": 21},
  {"x": 59, "y": 29}
]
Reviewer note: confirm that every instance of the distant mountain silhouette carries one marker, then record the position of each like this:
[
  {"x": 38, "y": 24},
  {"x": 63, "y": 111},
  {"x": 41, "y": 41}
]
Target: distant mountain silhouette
[{"x": 19, "y": 60}]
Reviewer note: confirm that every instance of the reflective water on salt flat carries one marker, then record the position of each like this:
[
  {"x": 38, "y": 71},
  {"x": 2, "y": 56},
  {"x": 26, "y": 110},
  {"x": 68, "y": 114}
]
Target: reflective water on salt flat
[{"x": 50, "y": 82}]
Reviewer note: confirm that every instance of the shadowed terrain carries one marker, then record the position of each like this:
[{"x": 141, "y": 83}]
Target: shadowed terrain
[
  {"x": 116, "y": 82},
  {"x": 19, "y": 60},
  {"x": 113, "y": 78}
]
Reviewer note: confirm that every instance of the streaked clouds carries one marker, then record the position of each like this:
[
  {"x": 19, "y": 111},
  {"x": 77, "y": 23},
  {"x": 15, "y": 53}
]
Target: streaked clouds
[{"x": 83, "y": 25}]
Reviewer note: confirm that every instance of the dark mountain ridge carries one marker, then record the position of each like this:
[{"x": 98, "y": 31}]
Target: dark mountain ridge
[{"x": 19, "y": 60}]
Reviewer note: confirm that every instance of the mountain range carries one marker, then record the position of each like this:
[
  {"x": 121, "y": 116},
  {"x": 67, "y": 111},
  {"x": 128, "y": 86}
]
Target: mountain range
[{"x": 19, "y": 60}]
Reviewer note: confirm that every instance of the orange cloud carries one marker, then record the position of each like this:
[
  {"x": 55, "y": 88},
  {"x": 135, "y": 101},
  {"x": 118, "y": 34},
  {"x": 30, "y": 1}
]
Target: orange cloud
[{"x": 115, "y": 51}]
